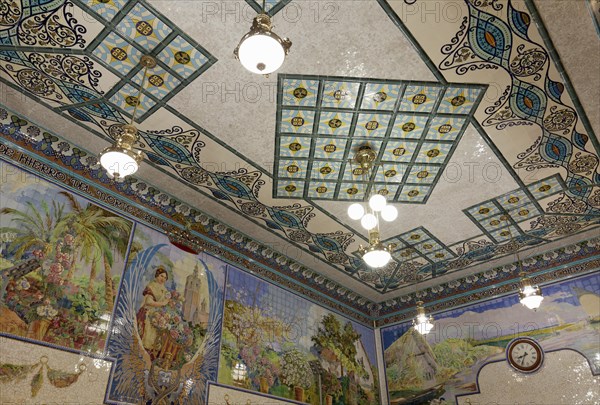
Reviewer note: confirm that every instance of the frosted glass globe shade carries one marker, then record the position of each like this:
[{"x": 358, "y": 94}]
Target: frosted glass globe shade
[
  {"x": 377, "y": 202},
  {"x": 532, "y": 301},
  {"x": 261, "y": 54},
  {"x": 389, "y": 213},
  {"x": 356, "y": 211},
  {"x": 369, "y": 222},
  {"x": 118, "y": 164},
  {"x": 377, "y": 258}
]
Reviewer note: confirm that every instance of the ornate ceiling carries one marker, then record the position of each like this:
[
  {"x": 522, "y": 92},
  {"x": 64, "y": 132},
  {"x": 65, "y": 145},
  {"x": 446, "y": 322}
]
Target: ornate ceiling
[{"x": 484, "y": 115}]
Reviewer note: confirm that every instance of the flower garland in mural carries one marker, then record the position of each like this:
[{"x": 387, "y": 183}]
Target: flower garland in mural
[
  {"x": 495, "y": 36},
  {"x": 12, "y": 373}
]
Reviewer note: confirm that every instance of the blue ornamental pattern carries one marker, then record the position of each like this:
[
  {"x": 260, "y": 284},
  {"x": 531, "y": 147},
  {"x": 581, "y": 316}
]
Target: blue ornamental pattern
[
  {"x": 35, "y": 34},
  {"x": 496, "y": 36}
]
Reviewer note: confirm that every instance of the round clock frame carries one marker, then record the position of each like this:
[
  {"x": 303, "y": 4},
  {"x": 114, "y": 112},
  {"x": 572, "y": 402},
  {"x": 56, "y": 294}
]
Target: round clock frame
[{"x": 512, "y": 358}]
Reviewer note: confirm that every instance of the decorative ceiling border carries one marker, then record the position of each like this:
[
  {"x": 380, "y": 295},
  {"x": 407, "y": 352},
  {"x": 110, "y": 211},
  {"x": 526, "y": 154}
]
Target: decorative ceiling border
[
  {"x": 76, "y": 169},
  {"x": 576, "y": 259},
  {"x": 333, "y": 245}
]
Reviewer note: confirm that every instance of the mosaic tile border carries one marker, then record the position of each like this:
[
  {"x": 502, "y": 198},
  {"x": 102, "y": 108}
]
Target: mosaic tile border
[
  {"x": 229, "y": 243},
  {"x": 579, "y": 258}
]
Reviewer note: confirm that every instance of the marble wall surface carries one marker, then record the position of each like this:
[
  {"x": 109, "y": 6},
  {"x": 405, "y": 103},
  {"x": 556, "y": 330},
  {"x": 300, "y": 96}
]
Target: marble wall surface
[{"x": 566, "y": 378}]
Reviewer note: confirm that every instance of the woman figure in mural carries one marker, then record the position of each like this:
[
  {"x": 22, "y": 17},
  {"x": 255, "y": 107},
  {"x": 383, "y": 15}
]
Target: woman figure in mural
[{"x": 156, "y": 296}]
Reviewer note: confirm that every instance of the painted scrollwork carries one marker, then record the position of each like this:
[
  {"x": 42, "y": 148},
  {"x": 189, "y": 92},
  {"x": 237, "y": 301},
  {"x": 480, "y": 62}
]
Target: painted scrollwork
[
  {"x": 52, "y": 28},
  {"x": 37, "y": 83},
  {"x": 528, "y": 63},
  {"x": 10, "y": 13}
]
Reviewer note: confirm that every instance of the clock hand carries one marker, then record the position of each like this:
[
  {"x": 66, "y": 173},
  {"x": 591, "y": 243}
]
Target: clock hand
[{"x": 523, "y": 358}]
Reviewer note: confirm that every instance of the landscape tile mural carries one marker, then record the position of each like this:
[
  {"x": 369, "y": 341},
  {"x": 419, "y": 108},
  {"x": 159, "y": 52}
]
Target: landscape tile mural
[
  {"x": 446, "y": 362},
  {"x": 61, "y": 261},
  {"x": 292, "y": 348},
  {"x": 167, "y": 323}
]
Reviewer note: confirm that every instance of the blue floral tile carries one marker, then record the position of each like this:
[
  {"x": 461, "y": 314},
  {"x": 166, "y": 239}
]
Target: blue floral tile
[
  {"x": 294, "y": 146},
  {"x": 352, "y": 191},
  {"x": 353, "y": 173},
  {"x": 413, "y": 193},
  {"x": 372, "y": 125},
  {"x": 297, "y": 121},
  {"x": 118, "y": 53},
  {"x": 409, "y": 126},
  {"x": 391, "y": 173},
  {"x": 106, "y": 9},
  {"x": 433, "y": 152},
  {"x": 158, "y": 82},
  {"x": 421, "y": 174},
  {"x": 524, "y": 213},
  {"x": 386, "y": 189},
  {"x": 298, "y": 92},
  {"x": 182, "y": 57},
  {"x": 292, "y": 169},
  {"x": 439, "y": 256},
  {"x": 143, "y": 27},
  {"x": 415, "y": 236},
  {"x": 445, "y": 128},
  {"x": 505, "y": 234},
  {"x": 496, "y": 222},
  {"x": 290, "y": 188},
  {"x": 330, "y": 148},
  {"x": 398, "y": 150},
  {"x": 459, "y": 100},
  {"x": 380, "y": 96},
  {"x": 419, "y": 98},
  {"x": 513, "y": 199},
  {"x": 335, "y": 123},
  {"x": 545, "y": 187},
  {"x": 321, "y": 190},
  {"x": 126, "y": 98},
  {"x": 485, "y": 210},
  {"x": 339, "y": 94},
  {"x": 325, "y": 170}
]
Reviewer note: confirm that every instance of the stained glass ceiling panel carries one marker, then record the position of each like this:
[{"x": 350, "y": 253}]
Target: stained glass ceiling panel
[{"x": 413, "y": 127}]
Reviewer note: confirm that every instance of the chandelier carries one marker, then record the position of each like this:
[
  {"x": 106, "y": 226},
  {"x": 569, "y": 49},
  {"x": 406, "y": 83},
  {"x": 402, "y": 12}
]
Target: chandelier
[
  {"x": 262, "y": 51},
  {"x": 529, "y": 295},
  {"x": 376, "y": 254},
  {"x": 120, "y": 159},
  {"x": 422, "y": 323}
]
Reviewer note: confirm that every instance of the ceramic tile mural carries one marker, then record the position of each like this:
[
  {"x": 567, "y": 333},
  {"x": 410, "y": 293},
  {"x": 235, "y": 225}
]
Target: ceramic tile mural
[
  {"x": 289, "y": 345},
  {"x": 167, "y": 323},
  {"x": 61, "y": 259},
  {"x": 446, "y": 362}
]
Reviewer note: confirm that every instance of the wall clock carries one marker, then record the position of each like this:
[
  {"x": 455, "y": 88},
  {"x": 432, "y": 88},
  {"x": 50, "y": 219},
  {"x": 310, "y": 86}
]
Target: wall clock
[{"x": 524, "y": 354}]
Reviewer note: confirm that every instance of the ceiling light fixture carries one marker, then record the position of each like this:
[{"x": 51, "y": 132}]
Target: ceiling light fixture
[
  {"x": 262, "y": 51},
  {"x": 120, "y": 159},
  {"x": 376, "y": 254},
  {"x": 422, "y": 323},
  {"x": 529, "y": 295}
]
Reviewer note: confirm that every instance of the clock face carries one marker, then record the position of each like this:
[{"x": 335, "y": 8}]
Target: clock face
[{"x": 525, "y": 355}]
